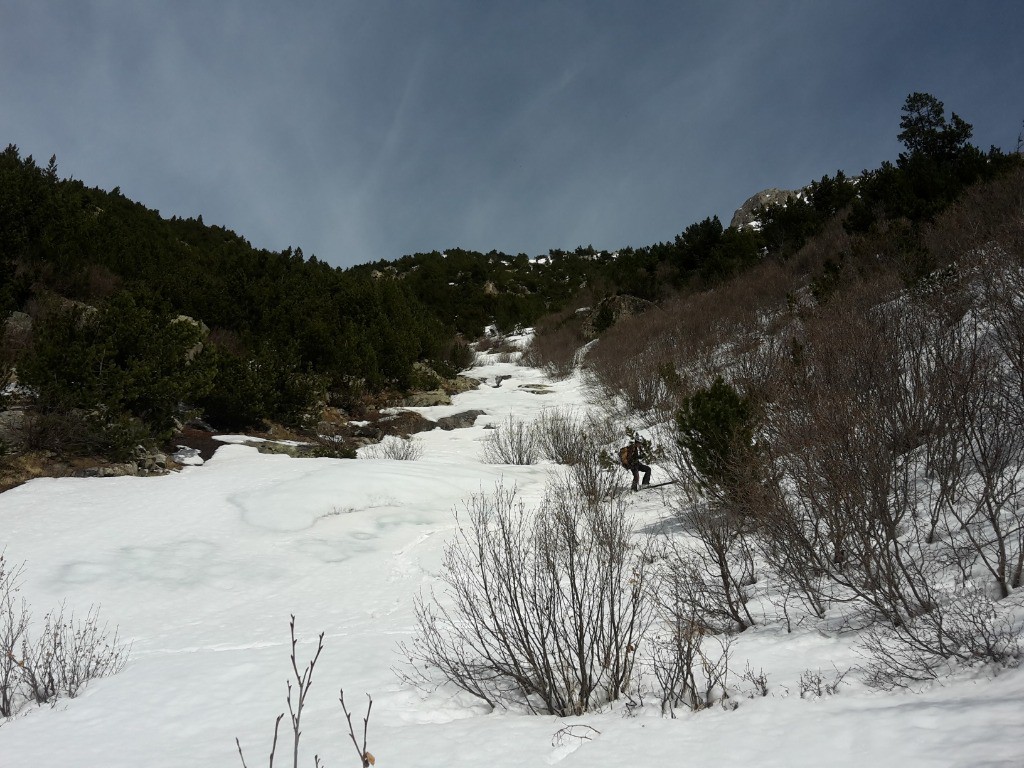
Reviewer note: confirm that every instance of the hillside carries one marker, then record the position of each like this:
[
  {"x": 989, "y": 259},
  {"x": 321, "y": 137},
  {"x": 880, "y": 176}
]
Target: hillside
[
  {"x": 124, "y": 325},
  {"x": 201, "y": 570},
  {"x": 830, "y": 392}
]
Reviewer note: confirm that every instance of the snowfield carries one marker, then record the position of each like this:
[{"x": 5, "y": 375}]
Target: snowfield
[{"x": 201, "y": 569}]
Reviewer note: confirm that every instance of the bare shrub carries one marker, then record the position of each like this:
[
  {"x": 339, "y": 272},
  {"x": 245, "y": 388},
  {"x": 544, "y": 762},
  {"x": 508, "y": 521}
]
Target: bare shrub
[
  {"x": 563, "y": 436},
  {"x": 14, "y": 617},
  {"x": 649, "y": 362},
  {"x": 691, "y": 667},
  {"x": 991, "y": 515},
  {"x": 986, "y": 215},
  {"x": 60, "y": 661},
  {"x": 688, "y": 656},
  {"x": 843, "y": 439},
  {"x": 68, "y": 654},
  {"x": 759, "y": 681},
  {"x": 303, "y": 683},
  {"x": 716, "y": 572},
  {"x": 365, "y": 756},
  {"x": 396, "y": 449},
  {"x": 965, "y": 628},
  {"x": 814, "y": 684},
  {"x": 547, "y": 607},
  {"x": 496, "y": 344},
  {"x": 632, "y": 375},
  {"x": 579, "y": 732},
  {"x": 512, "y": 442},
  {"x": 554, "y": 345},
  {"x": 594, "y": 477}
]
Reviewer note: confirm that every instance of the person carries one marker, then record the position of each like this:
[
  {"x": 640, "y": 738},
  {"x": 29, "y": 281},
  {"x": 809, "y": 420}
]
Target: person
[{"x": 631, "y": 456}]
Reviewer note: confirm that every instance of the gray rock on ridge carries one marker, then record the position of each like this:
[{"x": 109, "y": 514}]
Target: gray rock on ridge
[{"x": 744, "y": 215}]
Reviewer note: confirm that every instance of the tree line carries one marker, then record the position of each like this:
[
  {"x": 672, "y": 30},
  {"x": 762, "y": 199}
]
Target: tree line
[{"x": 105, "y": 280}]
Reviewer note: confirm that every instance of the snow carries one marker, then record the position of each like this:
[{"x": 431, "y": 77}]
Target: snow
[{"x": 201, "y": 569}]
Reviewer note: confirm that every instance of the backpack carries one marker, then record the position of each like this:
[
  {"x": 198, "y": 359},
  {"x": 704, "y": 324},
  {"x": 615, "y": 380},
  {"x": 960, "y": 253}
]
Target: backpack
[{"x": 627, "y": 455}]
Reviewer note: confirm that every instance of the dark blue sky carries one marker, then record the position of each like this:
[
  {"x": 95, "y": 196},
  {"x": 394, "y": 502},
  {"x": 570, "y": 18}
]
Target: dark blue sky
[{"x": 367, "y": 130}]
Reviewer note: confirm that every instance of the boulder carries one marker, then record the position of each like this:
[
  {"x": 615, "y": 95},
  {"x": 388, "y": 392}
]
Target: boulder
[
  {"x": 459, "y": 420},
  {"x": 295, "y": 450},
  {"x": 536, "y": 389},
  {"x": 364, "y": 432},
  {"x": 203, "y": 330},
  {"x": 404, "y": 423}
]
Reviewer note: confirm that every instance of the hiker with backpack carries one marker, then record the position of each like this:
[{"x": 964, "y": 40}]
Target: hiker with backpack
[{"x": 630, "y": 456}]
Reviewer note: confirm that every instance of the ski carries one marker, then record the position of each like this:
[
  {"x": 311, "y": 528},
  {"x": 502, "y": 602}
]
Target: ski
[{"x": 657, "y": 485}]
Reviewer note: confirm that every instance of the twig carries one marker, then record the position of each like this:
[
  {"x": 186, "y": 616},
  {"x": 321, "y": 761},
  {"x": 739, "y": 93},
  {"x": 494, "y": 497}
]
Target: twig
[
  {"x": 305, "y": 681},
  {"x": 273, "y": 747},
  {"x": 367, "y": 758}
]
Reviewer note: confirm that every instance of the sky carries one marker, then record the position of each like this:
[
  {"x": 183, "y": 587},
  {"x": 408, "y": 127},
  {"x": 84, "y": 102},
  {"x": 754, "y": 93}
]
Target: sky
[
  {"x": 361, "y": 131},
  {"x": 200, "y": 569}
]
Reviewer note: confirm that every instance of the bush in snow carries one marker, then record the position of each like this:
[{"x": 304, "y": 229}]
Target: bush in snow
[
  {"x": 964, "y": 628},
  {"x": 689, "y": 658},
  {"x": 512, "y": 442},
  {"x": 563, "y": 436},
  {"x": 396, "y": 449},
  {"x": 543, "y": 609},
  {"x": 13, "y": 624},
  {"x": 66, "y": 655}
]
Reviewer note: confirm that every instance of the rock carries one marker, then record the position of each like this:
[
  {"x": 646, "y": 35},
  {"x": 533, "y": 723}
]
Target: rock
[
  {"x": 536, "y": 389},
  {"x": 427, "y": 399},
  {"x": 198, "y": 440},
  {"x": 369, "y": 432},
  {"x": 12, "y": 426},
  {"x": 186, "y": 456},
  {"x": 203, "y": 330},
  {"x": 405, "y": 423},
  {"x": 459, "y": 420},
  {"x": 295, "y": 450},
  {"x": 460, "y": 384},
  {"x": 499, "y": 379},
  {"x": 127, "y": 469},
  {"x": 745, "y": 214}
]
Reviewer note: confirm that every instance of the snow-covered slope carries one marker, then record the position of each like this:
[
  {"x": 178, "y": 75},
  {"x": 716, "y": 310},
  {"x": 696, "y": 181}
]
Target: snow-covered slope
[{"x": 200, "y": 570}]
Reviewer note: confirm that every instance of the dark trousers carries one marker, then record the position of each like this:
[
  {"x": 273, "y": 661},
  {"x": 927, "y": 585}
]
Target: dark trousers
[{"x": 637, "y": 468}]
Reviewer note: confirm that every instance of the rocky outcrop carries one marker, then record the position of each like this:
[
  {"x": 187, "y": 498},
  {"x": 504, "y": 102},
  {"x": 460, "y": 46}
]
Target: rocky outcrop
[
  {"x": 745, "y": 215},
  {"x": 404, "y": 423},
  {"x": 459, "y": 420},
  {"x": 537, "y": 389},
  {"x": 203, "y": 330}
]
